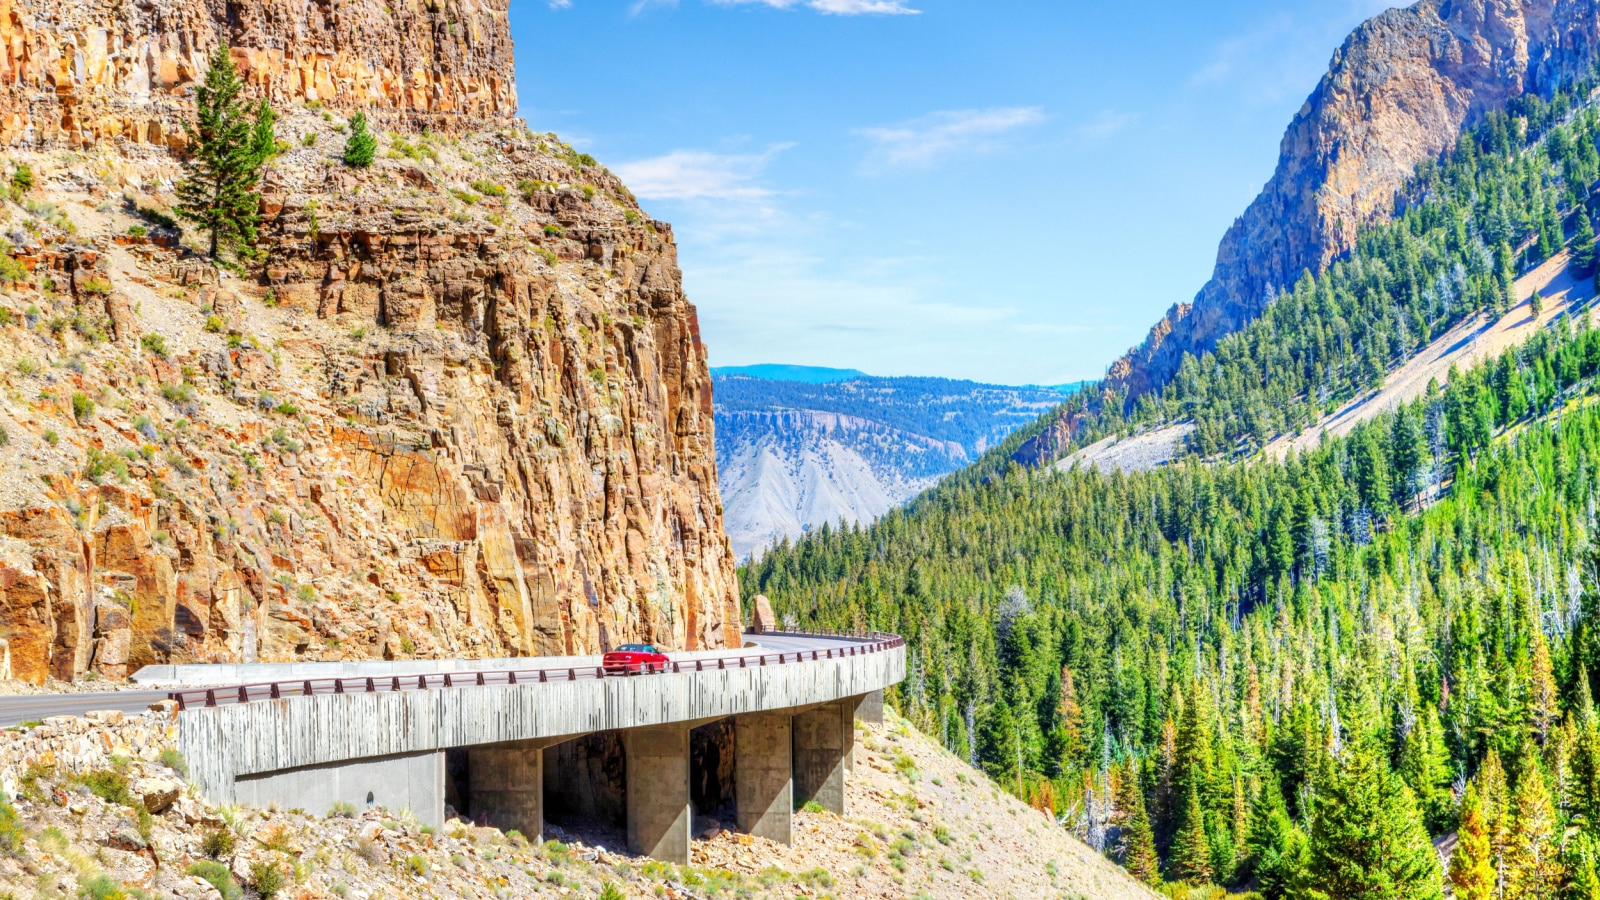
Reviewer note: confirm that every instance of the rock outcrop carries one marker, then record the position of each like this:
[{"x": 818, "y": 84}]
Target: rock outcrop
[
  {"x": 1397, "y": 92},
  {"x": 78, "y": 72},
  {"x": 461, "y": 407}
]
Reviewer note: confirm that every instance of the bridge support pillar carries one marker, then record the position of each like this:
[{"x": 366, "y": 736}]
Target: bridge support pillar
[
  {"x": 659, "y": 814},
  {"x": 870, "y": 709},
  {"x": 507, "y": 786},
  {"x": 763, "y": 775},
  {"x": 823, "y": 739}
]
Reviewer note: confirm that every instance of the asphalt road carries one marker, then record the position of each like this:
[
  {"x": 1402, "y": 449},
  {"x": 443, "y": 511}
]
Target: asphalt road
[{"x": 16, "y": 709}]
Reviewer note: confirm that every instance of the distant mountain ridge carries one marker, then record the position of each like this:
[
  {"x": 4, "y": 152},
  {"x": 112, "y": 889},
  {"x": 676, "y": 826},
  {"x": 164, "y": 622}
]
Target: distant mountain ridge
[
  {"x": 783, "y": 372},
  {"x": 795, "y": 454}
]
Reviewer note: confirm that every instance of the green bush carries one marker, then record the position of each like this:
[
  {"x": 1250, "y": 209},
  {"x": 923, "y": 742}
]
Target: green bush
[
  {"x": 341, "y": 809},
  {"x": 82, "y": 407},
  {"x": 137, "y": 231},
  {"x": 488, "y": 188},
  {"x": 101, "y": 887},
  {"x": 361, "y": 146},
  {"x": 267, "y": 878},
  {"x": 107, "y": 784},
  {"x": 96, "y": 287},
  {"x": 11, "y": 832},
  {"x": 218, "y": 876},
  {"x": 22, "y": 178},
  {"x": 11, "y": 271},
  {"x": 611, "y": 892},
  {"x": 174, "y": 760},
  {"x": 218, "y": 843},
  {"x": 155, "y": 343}
]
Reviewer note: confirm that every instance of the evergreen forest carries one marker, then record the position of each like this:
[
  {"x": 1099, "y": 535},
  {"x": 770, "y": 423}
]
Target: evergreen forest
[{"x": 1294, "y": 677}]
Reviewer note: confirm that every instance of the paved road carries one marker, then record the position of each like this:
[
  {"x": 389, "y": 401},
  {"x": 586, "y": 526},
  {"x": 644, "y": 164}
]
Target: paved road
[
  {"x": 17, "y": 709},
  {"x": 14, "y": 710}
]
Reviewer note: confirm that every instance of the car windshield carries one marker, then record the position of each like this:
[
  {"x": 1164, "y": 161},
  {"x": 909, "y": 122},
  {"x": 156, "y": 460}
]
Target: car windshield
[{"x": 636, "y": 648}]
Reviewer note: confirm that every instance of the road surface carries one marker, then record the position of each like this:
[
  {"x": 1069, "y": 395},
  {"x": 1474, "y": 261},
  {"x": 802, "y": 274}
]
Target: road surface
[{"x": 20, "y": 708}]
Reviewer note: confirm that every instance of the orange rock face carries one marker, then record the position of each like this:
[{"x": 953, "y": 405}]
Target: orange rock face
[
  {"x": 76, "y": 72},
  {"x": 459, "y": 408}
]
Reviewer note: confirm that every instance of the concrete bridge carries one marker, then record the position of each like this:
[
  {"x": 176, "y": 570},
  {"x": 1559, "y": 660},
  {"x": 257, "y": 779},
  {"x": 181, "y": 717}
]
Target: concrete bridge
[{"x": 747, "y": 735}]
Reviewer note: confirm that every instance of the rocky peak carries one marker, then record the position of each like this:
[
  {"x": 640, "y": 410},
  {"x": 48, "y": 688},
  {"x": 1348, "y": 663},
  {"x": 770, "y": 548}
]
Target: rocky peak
[{"x": 1399, "y": 90}]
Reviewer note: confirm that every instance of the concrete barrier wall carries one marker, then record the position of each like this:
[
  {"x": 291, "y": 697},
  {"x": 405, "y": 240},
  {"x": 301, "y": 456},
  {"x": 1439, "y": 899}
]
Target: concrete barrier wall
[{"x": 225, "y": 743}]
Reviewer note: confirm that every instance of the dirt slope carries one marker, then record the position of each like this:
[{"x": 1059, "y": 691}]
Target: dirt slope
[
  {"x": 921, "y": 824},
  {"x": 1564, "y": 291}
]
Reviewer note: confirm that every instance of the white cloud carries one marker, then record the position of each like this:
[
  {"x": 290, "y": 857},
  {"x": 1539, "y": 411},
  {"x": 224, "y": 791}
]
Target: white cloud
[
  {"x": 1105, "y": 124},
  {"x": 924, "y": 141},
  {"x": 560, "y": 4},
  {"x": 834, "y": 7},
  {"x": 699, "y": 175}
]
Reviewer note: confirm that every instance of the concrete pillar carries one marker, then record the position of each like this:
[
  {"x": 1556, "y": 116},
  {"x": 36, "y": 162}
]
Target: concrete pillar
[
  {"x": 763, "y": 775},
  {"x": 847, "y": 730},
  {"x": 870, "y": 709},
  {"x": 819, "y": 755},
  {"x": 506, "y": 785},
  {"x": 659, "y": 815}
]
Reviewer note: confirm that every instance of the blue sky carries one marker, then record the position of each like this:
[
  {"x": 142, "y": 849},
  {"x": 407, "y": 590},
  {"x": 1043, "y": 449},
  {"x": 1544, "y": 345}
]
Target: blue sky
[{"x": 1006, "y": 190}]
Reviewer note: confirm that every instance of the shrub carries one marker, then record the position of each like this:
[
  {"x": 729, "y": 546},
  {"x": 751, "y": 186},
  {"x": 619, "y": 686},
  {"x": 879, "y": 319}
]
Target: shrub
[
  {"x": 266, "y": 877},
  {"x": 96, "y": 287},
  {"x": 178, "y": 392},
  {"x": 341, "y": 809},
  {"x": 417, "y": 865},
  {"x": 82, "y": 407},
  {"x": 101, "y": 887},
  {"x": 101, "y": 464},
  {"x": 137, "y": 231},
  {"x": 174, "y": 760},
  {"x": 155, "y": 343},
  {"x": 51, "y": 438},
  {"x": 5, "y": 436},
  {"x": 11, "y": 833},
  {"x": 22, "y": 178},
  {"x": 218, "y": 876},
  {"x": 214, "y": 324},
  {"x": 488, "y": 188},
  {"x": 361, "y": 146},
  {"x": 218, "y": 843},
  {"x": 611, "y": 892},
  {"x": 11, "y": 271},
  {"x": 107, "y": 784}
]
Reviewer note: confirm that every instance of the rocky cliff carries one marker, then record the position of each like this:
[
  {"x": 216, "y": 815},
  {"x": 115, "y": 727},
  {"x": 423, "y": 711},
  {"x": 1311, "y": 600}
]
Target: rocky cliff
[
  {"x": 1397, "y": 92},
  {"x": 461, "y": 408}
]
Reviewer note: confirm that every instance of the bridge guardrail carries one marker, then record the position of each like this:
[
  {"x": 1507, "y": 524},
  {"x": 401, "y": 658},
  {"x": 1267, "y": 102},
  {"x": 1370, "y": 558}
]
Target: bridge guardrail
[{"x": 868, "y": 642}]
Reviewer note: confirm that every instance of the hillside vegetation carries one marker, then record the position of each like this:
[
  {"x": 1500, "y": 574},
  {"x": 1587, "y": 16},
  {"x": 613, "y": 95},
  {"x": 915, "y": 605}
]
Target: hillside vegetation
[{"x": 1292, "y": 675}]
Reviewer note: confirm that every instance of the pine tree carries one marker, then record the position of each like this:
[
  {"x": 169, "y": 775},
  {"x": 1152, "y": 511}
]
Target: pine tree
[
  {"x": 1471, "y": 866},
  {"x": 1367, "y": 841},
  {"x": 230, "y": 143},
  {"x": 1544, "y": 709},
  {"x": 1071, "y": 722},
  {"x": 1276, "y": 844},
  {"x": 1533, "y": 856},
  {"x": 361, "y": 146},
  {"x": 1191, "y": 850},
  {"x": 1138, "y": 840},
  {"x": 1425, "y": 766},
  {"x": 1583, "y": 250}
]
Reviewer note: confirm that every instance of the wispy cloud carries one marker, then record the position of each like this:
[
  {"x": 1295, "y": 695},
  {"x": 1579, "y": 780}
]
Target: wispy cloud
[
  {"x": 924, "y": 141},
  {"x": 1106, "y": 124},
  {"x": 833, "y": 7},
  {"x": 700, "y": 175},
  {"x": 560, "y": 4}
]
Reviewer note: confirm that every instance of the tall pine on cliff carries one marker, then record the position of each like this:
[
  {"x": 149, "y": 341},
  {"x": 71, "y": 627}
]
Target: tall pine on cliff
[
  {"x": 230, "y": 142},
  {"x": 1366, "y": 625}
]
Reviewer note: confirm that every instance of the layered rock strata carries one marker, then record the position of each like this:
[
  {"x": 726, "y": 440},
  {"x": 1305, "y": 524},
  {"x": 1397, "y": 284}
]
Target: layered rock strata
[
  {"x": 77, "y": 72},
  {"x": 460, "y": 408}
]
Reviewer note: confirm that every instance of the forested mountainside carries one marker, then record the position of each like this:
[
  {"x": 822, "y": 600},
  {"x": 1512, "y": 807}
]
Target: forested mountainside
[
  {"x": 793, "y": 455},
  {"x": 1291, "y": 675},
  {"x": 1396, "y": 93}
]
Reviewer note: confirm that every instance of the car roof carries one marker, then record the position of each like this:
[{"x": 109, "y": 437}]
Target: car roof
[{"x": 637, "y": 648}]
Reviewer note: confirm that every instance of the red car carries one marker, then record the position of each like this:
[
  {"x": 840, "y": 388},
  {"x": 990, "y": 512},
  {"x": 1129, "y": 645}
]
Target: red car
[{"x": 634, "y": 659}]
